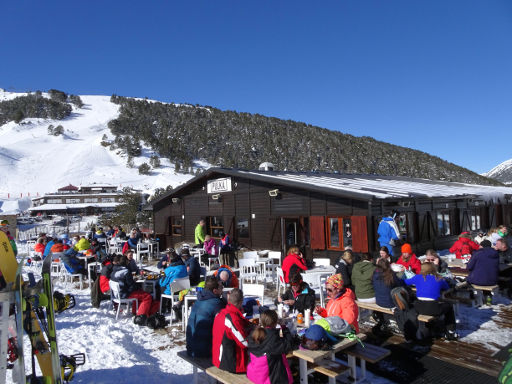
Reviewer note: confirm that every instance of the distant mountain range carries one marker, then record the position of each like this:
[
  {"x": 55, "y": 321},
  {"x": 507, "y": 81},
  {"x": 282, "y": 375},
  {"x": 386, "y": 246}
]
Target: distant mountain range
[
  {"x": 502, "y": 172},
  {"x": 49, "y": 140}
]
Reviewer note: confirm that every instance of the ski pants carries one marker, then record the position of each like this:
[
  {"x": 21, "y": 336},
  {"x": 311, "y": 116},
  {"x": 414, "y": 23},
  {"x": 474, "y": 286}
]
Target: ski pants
[
  {"x": 147, "y": 306},
  {"x": 437, "y": 308}
]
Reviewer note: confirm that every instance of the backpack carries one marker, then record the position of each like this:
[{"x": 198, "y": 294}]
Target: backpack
[
  {"x": 505, "y": 376},
  {"x": 335, "y": 325},
  {"x": 157, "y": 321},
  {"x": 406, "y": 316}
]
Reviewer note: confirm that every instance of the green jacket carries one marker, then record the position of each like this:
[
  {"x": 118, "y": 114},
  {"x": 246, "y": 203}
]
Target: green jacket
[
  {"x": 199, "y": 234},
  {"x": 362, "y": 279}
]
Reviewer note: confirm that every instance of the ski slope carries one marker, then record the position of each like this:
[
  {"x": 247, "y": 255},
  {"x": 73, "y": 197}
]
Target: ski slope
[{"x": 34, "y": 162}]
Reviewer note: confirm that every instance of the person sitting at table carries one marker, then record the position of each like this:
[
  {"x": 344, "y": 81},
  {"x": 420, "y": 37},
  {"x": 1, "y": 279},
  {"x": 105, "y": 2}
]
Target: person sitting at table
[
  {"x": 299, "y": 296},
  {"x": 128, "y": 289},
  {"x": 202, "y": 315},
  {"x": 383, "y": 281},
  {"x": 344, "y": 266},
  {"x": 175, "y": 270},
  {"x": 193, "y": 267},
  {"x": 165, "y": 260},
  {"x": 72, "y": 263},
  {"x": 504, "y": 251},
  {"x": 484, "y": 266},
  {"x": 132, "y": 264},
  {"x": 132, "y": 242},
  {"x": 409, "y": 260},
  {"x": 481, "y": 236},
  {"x": 59, "y": 247},
  {"x": 384, "y": 254},
  {"x": 227, "y": 277},
  {"x": 293, "y": 262},
  {"x": 106, "y": 272},
  {"x": 82, "y": 244},
  {"x": 431, "y": 256},
  {"x": 464, "y": 246},
  {"x": 110, "y": 231},
  {"x": 267, "y": 352},
  {"x": 230, "y": 331},
  {"x": 40, "y": 245},
  {"x": 499, "y": 233},
  {"x": 225, "y": 249},
  {"x": 428, "y": 292},
  {"x": 50, "y": 242},
  {"x": 119, "y": 233},
  {"x": 99, "y": 234},
  {"x": 210, "y": 246},
  {"x": 342, "y": 302},
  {"x": 362, "y": 279}
]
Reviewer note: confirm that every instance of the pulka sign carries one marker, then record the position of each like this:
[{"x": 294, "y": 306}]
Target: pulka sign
[{"x": 219, "y": 185}]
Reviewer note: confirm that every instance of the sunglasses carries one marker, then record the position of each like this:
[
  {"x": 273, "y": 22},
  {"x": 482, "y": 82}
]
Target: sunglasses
[{"x": 330, "y": 290}]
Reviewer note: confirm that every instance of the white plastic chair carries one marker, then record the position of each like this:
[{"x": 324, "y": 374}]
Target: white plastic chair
[
  {"x": 142, "y": 249},
  {"x": 248, "y": 269},
  {"x": 324, "y": 262},
  {"x": 116, "y": 298},
  {"x": 175, "y": 287},
  {"x": 29, "y": 246},
  {"x": 96, "y": 267},
  {"x": 67, "y": 276},
  {"x": 257, "y": 290},
  {"x": 276, "y": 255}
]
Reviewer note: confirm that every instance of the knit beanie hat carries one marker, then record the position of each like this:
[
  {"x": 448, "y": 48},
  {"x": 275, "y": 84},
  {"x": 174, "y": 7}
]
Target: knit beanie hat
[
  {"x": 336, "y": 281},
  {"x": 406, "y": 248}
]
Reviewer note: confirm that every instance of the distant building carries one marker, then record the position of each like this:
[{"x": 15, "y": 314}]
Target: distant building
[{"x": 93, "y": 199}]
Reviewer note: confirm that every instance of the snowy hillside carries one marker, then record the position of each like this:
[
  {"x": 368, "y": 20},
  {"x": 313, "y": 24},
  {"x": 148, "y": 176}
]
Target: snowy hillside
[
  {"x": 34, "y": 162},
  {"x": 502, "y": 172}
]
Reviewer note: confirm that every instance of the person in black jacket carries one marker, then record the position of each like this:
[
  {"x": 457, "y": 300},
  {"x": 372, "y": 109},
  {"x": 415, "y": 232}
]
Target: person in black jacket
[
  {"x": 193, "y": 267},
  {"x": 344, "y": 267},
  {"x": 267, "y": 352},
  {"x": 299, "y": 296},
  {"x": 431, "y": 256},
  {"x": 165, "y": 260}
]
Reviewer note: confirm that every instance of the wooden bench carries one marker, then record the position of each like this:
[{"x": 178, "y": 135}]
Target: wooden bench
[
  {"x": 227, "y": 377},
  {"x": 378, "y": 308},
  {"x": 479, "y": 292},
  {"x": 202, "y": 363},
  {"x": 330, "y": 368},
  {"x": 370, "y": 353}
]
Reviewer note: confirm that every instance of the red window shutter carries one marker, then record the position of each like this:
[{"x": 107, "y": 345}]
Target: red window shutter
[
  {"x": 317, "y": 232},
  {"x": 359, "y": 234}
]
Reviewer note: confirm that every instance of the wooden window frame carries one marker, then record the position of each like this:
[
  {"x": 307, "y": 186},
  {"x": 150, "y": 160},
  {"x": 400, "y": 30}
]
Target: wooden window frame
[
  {"x": 176, "y": 226},
  {"x": 340, "y": 232},
  {"x": 445, "y": 214},
  {"x": 237, "y": 220},
  {"x": 211, "y": 227}
]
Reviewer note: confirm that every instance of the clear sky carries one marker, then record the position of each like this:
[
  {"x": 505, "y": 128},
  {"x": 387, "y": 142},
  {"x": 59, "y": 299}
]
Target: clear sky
[{"x": 432, "y": 75}]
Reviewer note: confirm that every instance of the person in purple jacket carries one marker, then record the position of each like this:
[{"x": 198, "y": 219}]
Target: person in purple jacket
[
  {"x": 428, "y": 292},
  {"x": 483, "y": 266}
]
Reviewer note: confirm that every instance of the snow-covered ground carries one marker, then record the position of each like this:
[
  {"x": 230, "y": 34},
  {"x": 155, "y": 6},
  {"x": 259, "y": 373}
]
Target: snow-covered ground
[{"x": 33, "y": 162}]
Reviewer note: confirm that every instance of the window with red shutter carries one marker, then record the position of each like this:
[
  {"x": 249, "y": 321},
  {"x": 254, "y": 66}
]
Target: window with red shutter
[{"x": 359, "y": 234}]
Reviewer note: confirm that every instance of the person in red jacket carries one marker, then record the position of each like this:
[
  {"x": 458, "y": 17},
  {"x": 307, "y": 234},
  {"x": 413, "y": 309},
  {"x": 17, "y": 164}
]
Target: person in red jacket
[
  {"x": 230, "y": 332},
  {"x": 342, "y": 302},
  {"x": 464, "y": 247},
  {"x": 293, "y": 262},
  {"x": 409, "y": 260}
]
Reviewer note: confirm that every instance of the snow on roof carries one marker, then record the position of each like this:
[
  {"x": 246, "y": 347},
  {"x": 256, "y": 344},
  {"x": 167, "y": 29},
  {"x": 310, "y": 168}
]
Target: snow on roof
[
  {"x": 60, "y": 207},
  {"x": 381, "y": 187}
]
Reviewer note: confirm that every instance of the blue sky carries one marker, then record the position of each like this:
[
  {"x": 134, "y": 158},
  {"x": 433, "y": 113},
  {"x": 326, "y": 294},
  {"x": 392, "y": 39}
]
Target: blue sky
[{"x": 430, "y": 75}]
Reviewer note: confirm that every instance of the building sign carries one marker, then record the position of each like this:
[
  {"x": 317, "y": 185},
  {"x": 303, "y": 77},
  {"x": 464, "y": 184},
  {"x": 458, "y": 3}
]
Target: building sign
[{"x": 219, "y": 185}]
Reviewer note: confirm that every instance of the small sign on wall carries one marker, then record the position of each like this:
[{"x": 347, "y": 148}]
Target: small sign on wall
[{"x": 219, "y": 185}]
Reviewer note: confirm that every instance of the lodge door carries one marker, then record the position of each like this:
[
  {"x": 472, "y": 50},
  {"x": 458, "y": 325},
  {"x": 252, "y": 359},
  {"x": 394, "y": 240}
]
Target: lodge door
[{"x": 294, "y": 232}]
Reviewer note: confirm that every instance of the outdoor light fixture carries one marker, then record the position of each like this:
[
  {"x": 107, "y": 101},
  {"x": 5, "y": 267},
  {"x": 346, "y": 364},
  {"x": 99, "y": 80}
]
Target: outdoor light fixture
[
  {"x": 216, "y": 197},
  {"x": 273, "y": 192},
  {"x": 175, "y": 200}
]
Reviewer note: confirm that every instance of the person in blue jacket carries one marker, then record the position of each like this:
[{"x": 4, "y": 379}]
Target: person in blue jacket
[
  {"x": 388, "y": 233},
  {"x": 48, "y": 247},
  {"x": 483, "y": 266},
  {"x": 175, "y": 270},
  {"x": 200, "y": 322},
  {"x": 428, "y": 292}
]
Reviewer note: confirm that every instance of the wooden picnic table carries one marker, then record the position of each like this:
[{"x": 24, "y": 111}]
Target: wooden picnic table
[{"x": 306, "y": 356}]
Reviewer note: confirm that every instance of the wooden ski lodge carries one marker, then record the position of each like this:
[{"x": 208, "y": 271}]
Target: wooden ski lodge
[{"x": 325, "y": 212}]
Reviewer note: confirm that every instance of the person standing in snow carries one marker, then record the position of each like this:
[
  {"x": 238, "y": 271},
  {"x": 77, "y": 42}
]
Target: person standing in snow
[
  {"x": 200, "y": 232},
  {"x": 388, "y": 233}
]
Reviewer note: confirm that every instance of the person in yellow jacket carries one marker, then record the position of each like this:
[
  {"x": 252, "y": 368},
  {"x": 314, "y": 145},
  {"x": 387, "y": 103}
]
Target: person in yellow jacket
[
  {"x": 200, "y": 232},
  {"x": 82, "y": 244}
]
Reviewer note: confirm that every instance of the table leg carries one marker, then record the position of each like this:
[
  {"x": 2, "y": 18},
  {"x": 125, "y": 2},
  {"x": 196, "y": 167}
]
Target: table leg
[
  {"x": 332, "y": 380},
  {"x": 363, "y": 369},
  {"x": 196, "y": 378},
  {"x": 353, "y": 367},
  {"x": 303, "y": 368}
]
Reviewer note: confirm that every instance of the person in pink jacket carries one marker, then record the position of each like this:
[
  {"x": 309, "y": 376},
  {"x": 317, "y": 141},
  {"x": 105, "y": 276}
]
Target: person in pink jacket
[{"x": 342, "y": 302}]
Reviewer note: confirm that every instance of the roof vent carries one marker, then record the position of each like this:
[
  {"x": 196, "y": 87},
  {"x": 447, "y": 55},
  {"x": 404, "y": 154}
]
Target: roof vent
[{"x": 266, "y": 166}]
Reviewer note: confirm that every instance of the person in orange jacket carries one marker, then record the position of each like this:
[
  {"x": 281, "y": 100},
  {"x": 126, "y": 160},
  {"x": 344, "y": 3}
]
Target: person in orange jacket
[
  {"x": 464, "y": 246},
  {"x": 409, "y": 260},
  {"x": 342, "y": 302}
]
